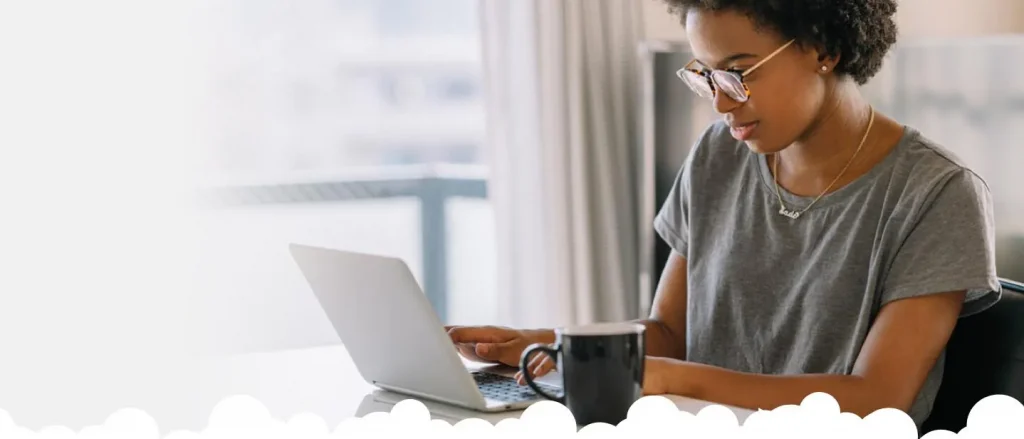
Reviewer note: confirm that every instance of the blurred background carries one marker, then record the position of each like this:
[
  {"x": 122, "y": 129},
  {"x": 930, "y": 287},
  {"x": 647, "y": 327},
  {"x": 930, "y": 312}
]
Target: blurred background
[{"x": 156, "y": 160}]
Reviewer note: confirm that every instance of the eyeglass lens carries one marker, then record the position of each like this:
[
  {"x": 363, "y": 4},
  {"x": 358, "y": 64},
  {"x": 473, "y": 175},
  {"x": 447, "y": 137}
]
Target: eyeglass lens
[{"x": 729, "y": 83}]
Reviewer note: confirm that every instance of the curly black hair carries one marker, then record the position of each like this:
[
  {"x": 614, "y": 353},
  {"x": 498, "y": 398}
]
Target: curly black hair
[{"x": 861, "y": 31}]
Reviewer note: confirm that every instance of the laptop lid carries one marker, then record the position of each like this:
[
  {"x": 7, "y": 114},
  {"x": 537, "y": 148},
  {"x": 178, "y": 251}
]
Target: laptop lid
[{"x": 386, "y": 323}]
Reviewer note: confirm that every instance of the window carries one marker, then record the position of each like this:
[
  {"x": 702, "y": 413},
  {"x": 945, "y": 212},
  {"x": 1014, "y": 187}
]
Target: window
[{"x": 344, "y": 97}]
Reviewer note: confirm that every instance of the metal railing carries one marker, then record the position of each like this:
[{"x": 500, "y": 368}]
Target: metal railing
[{"x": 433, "y": 186}]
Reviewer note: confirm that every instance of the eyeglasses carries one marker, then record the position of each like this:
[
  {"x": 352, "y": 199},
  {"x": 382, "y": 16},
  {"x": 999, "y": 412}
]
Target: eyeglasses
[{"x": 705, "y": 81}]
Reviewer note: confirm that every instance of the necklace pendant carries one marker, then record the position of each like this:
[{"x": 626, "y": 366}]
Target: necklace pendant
[{"x": 789, "y": 213}]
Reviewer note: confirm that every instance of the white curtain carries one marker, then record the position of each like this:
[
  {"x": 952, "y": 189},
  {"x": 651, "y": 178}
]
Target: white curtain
[{"x": 562, "y": 87}]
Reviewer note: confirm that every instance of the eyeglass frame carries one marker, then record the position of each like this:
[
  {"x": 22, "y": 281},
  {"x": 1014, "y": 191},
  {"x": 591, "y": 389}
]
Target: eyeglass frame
[{"x": 708, "y": 74}]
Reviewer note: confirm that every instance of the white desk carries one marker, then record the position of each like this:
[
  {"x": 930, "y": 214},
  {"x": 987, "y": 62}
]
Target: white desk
[{"x": 324, "y": 381}]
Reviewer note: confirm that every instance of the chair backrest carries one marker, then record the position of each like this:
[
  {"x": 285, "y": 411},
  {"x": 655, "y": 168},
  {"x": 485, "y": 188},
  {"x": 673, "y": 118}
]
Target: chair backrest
[{"x": 984, "y": 357}]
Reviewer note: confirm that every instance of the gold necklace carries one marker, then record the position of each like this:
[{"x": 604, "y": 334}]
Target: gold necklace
[{"x": 783, "y": 210}]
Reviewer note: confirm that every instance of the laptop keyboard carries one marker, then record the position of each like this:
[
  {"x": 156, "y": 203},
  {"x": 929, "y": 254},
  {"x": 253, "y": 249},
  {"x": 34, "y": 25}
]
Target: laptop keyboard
[{"x": 506, "y": 389}]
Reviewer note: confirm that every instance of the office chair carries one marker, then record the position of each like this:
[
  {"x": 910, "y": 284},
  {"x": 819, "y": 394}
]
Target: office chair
[{"x": 984, "y": 357}]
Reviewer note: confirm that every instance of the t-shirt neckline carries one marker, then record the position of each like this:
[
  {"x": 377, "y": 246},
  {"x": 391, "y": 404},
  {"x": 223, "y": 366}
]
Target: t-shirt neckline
[{"x": 799, "y": 203}]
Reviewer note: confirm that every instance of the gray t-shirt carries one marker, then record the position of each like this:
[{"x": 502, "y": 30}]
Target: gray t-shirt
[{"x": 772, "y": 295}]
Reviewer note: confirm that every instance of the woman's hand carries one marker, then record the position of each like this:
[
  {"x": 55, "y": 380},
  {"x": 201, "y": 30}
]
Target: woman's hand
[
  {"x": 492, "y": 344},
  {"x": 489, "y": 344},
  {"x": 540, "y": 364}
]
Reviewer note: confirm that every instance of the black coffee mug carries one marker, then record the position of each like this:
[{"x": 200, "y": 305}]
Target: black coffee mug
[{"x": 602, "y": 369}]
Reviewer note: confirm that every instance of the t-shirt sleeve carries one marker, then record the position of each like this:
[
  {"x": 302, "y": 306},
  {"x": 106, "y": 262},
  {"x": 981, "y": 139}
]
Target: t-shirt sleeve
[
  {"x": 672, "y": 221},
  {"x": 951, "y": 248}
]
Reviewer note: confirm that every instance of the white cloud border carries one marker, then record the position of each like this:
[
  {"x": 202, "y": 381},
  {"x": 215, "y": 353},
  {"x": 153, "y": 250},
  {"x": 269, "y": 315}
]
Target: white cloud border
[{"x": 818, "y": 416}]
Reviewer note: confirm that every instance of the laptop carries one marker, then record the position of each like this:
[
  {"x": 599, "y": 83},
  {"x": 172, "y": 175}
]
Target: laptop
[{"x": 395, "y": 337}]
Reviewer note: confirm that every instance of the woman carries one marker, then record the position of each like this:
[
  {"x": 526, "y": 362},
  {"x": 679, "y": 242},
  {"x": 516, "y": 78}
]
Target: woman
[{"x": 819, "y": 246}]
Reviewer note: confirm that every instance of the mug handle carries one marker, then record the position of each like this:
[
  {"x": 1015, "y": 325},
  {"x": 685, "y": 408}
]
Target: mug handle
[{"x": 524, "y": 366}]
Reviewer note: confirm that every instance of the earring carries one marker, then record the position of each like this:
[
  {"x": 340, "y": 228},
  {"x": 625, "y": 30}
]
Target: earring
[{"x": 824, "y": 68}]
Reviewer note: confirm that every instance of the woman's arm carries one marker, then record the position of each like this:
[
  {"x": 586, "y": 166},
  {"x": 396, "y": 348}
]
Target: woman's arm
[
  {"x": 666, "y": 327},
  {"x": 901, "y": 348}
]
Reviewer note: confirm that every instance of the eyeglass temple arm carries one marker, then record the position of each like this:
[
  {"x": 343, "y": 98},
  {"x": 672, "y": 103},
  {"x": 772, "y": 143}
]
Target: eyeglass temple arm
[{"x": 770, "y": 56}]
